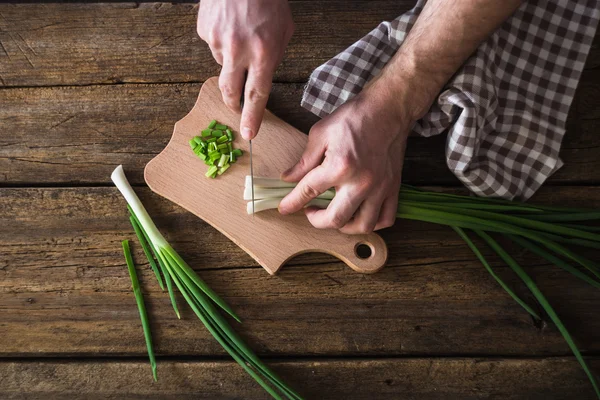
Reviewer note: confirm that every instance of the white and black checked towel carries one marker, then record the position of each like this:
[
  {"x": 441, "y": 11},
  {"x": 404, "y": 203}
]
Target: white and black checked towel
[{"x": 504, "y": 110}]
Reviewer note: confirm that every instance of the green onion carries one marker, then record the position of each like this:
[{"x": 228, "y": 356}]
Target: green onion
[
  {"x": 539, "y": 229},
  {"x": 139, "y": 298},
  {"x": 223, "y": 160},
  {"x": 212, "y": 171},
  {"x": 215, "y": 142},
  {"x": 224, "y": 168},
  {"x": 222, "y": 139},
  {"x": 203, "y": 300}
]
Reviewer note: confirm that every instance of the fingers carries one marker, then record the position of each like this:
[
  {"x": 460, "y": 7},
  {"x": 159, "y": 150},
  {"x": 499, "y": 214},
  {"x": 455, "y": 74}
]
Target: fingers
[
  {"x": 313, "y": 184},
  {"x": 365, "y": 219},
  {"x": 339, "y": 212},
  {"x": 311, "y": 158},
  {"x": 258, "y": 87},
  {"x": 231, "y": 82},
  {"x": 387, "y": 216}
]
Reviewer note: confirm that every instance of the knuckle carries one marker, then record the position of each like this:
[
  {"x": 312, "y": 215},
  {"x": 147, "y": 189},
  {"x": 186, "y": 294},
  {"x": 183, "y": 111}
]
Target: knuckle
[
  {"x": 257, "y": 95},
  {"x": 309, "y": 192},
  {"x": 260, "y": 49},
  {"x": 226, "y": 89},
  {"x": 235, "y": 46},
  {"x": 388, "y": 222},
  {"x": 366, "y": 227},
  {"x": 336, "y": 221},
  {"x": 344, "y": 165}
]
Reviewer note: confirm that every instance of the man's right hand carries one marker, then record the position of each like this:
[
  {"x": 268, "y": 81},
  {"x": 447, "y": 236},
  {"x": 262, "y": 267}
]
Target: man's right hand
[{"x": 246, "y": 35}]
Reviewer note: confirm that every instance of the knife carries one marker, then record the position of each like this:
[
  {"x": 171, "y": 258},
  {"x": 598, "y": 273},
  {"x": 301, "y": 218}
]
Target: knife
[{"x": 249, "y": 142}]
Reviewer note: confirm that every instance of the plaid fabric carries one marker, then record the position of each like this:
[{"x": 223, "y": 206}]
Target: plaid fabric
[{"x": 505, "y": 110}]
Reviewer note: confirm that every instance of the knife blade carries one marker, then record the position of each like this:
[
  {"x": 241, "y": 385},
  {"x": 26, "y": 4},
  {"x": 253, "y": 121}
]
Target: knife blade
[{"x": 249, "y": 144}]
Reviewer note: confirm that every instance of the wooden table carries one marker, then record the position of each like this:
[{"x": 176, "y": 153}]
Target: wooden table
[{"x": 85, "y": 87}]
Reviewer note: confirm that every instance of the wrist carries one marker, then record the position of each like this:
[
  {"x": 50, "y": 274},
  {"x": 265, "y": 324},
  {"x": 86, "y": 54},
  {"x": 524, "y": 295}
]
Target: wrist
[{"x": 407, "y": 86}]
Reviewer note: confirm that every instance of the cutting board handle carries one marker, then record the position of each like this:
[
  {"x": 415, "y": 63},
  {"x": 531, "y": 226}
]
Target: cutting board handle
[{"x": 363, "y": 253}]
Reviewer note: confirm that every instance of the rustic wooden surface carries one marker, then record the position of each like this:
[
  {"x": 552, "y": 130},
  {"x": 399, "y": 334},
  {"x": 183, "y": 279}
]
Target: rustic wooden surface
[{"x": 85, "y": 87}]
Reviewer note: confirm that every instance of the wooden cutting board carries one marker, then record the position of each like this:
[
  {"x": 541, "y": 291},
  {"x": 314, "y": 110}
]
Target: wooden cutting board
[{"x": 270, "y": 238}]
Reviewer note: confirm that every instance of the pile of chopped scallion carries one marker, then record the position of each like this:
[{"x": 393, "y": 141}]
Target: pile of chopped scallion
[
  {"x": 215, "y": 148},
  {"x": 205, "y": 303},
  {"x": 542, "y": 230}
]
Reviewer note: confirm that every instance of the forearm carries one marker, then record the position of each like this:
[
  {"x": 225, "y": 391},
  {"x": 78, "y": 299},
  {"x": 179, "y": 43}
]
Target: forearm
[{"x": 443, "y": 37}]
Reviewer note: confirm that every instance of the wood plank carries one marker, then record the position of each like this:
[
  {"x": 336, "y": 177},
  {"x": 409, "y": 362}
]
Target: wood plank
[
  {"x": 423, "y": 379},
  {"x": 64, "y": 288},
  {"x": 77, "y": 44},
  {"x": 67, "y": 135}
]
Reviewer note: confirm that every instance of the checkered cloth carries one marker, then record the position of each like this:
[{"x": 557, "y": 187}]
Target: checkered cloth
[{"x": 504, "y": 110}]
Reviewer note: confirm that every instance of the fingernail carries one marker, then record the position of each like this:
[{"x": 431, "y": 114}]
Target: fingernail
[{"x": 247, "y": 133}]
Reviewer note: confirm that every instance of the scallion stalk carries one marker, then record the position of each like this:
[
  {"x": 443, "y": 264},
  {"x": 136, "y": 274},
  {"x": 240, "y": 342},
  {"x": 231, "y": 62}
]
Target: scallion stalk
[
  {"x": 139, "y": 298},
  {"x": 201, "y": 298},
  {"x": 543, "y": 230}
]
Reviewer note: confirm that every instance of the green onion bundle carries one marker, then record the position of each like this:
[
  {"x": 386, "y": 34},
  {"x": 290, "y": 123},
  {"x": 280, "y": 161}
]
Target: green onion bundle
[
  {"x": 205, "y": 303},
  {"x": 543, "y": 230}
]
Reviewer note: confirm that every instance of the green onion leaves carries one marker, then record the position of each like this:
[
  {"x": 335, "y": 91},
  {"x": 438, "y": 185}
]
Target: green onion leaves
[
  {"x": 197, "y": 294},
  {"x": 543, "y": 230}
]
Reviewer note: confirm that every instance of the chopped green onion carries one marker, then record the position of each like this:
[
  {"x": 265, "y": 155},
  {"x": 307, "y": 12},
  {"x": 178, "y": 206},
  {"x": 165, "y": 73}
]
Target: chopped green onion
[
  {"x": 238, "y": 152},
  {"x": 206, "y": 132},
  {"x": 222, "y": 139},
  {"x": 211, "y": 172},
  {"x": 221, "y": 127},
  {"x": 224, "y": 168},
  {"x": 212, "y": 124},
  {"x": 229, "y": 134},
  {"x": 193, "y": 144},
  {"x": 216, "y": 133},
  {"x": 211, "y": 140},
  {"x": 223, "y": 160},
  {"x": 231, "y": 157},
  {"x": 229, "y": 147},
  {"x": 198, "y": 139}
]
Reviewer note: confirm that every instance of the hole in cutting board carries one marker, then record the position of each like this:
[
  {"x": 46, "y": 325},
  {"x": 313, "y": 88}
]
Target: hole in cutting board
[{"x": 363, "y": 250}]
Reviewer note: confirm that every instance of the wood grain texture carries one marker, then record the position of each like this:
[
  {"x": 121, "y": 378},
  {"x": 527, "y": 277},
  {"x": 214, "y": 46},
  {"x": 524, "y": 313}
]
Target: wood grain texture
[
  {"x": 64, "y": 288},
  {"x": 78, "y": 44},
  {"x": 178, "y": 175},
  {"x": 77, "y": 135},
  {"x": 422, "y": 379}
]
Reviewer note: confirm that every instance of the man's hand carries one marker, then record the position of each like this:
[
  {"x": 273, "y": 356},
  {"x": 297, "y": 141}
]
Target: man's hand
[
  {"x": 246, "y": 35},
  {"x": 359, "y": 150}
]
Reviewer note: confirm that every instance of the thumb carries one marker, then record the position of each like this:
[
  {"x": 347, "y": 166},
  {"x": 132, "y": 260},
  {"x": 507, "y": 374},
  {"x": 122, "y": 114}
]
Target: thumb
[{"x": 310, "y": 159}]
